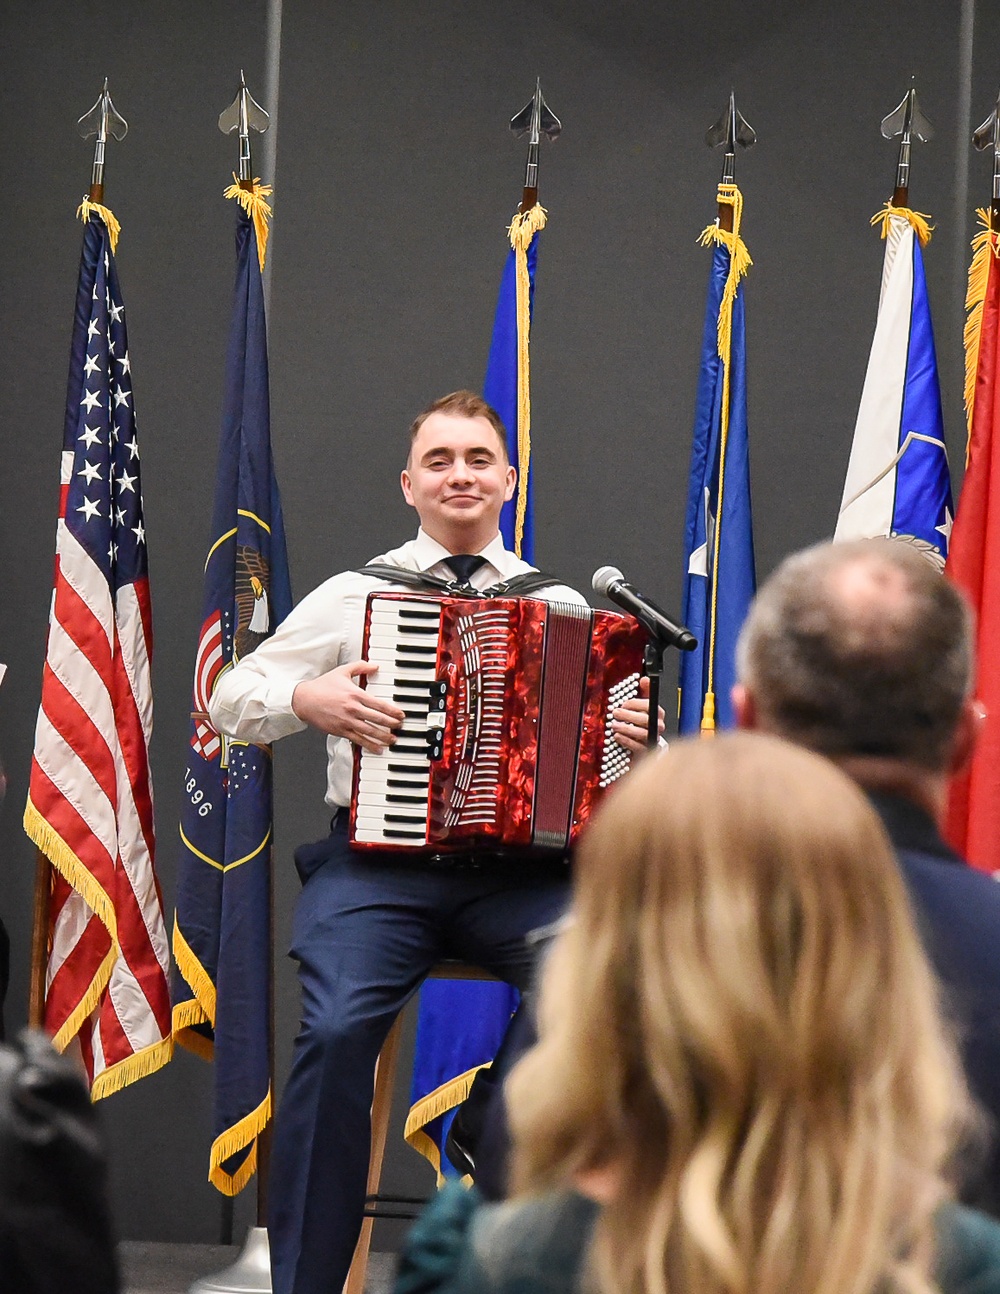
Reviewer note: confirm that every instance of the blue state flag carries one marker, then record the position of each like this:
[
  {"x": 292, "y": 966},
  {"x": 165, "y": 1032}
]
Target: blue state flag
[
  {"x": 222, "y": 928},
  {"x": 898, "y": 484},
  {"x": 719, "y": 576},
  {"x": 461, "y": 1022}
]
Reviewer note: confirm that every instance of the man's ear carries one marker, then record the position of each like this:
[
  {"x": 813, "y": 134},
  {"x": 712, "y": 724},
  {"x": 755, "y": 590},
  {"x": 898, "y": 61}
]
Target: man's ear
[
  {"x": 967, "y": 733},
  {"x": 404, "y": 481},
  {"x": 511, "y": 482},
  {"x": 744, "y": 706}
]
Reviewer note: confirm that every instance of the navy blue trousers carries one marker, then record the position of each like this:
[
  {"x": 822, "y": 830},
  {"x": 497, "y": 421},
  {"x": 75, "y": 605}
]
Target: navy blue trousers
[{"x": 367, "y": 930}]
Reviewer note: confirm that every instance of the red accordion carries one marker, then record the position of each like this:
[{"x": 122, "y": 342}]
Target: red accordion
[{"x": 507, "y": 740}]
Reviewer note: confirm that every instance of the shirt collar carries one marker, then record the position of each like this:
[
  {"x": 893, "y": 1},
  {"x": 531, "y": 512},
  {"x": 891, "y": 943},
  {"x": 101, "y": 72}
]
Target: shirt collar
[{"x": 429, "y": 553}]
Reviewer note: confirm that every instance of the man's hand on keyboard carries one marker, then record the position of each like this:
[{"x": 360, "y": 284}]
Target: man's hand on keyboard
[{"x": 335, "y": 704}]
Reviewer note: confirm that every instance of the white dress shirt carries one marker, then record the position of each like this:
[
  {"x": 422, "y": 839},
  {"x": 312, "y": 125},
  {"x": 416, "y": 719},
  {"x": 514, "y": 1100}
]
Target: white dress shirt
[{"x": 253, "y": 701}]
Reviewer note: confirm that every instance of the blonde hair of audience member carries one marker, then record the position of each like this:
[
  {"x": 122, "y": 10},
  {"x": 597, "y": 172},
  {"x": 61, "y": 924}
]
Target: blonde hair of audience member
[{"x": 739, "y": 1036}]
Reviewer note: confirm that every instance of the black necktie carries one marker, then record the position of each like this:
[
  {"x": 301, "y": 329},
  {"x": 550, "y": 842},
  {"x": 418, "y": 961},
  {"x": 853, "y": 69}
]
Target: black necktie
[{"x": 464, "y": 566}]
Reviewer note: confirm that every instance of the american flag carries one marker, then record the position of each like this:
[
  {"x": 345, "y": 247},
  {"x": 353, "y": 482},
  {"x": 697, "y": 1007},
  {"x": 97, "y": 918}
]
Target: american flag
[{"x": 90, "y": 803}]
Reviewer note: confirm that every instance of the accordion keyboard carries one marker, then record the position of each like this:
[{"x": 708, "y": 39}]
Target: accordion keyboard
[{"x": 393, "y": 788}]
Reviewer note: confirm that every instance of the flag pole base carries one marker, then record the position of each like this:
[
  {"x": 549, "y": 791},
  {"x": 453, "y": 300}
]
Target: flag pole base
[{"x": 249, "y": 1274}]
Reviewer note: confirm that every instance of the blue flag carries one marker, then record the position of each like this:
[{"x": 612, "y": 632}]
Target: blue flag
[
  {"x": 898, "y": 484},
  {"x": 222, "y": 929},
  {"x": 462, "y": 1022},
  {"x": 719, "y": 578}
]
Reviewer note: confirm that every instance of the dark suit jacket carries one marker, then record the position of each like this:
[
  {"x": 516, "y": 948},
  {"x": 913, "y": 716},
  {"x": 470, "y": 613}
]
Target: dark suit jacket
[{"x": 958, "y": 911}]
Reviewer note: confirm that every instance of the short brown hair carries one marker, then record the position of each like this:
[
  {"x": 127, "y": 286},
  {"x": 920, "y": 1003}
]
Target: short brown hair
[
  {"x": 860, "y": 648},
  {"x": 464, "y": 404}
]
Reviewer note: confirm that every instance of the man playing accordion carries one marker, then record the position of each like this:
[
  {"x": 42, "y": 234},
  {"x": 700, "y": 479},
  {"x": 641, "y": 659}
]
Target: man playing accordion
[{"x": 369, "y": 926}]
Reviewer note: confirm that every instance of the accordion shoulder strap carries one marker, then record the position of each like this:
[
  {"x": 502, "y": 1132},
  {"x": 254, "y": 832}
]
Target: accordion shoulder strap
[
  {"x": 410, "y": 579},
  {"x": 520, "y": 586}
]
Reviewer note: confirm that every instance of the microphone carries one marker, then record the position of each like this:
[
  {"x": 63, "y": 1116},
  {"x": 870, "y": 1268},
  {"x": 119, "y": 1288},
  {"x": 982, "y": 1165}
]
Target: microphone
[{"x": 611, "y": 583}]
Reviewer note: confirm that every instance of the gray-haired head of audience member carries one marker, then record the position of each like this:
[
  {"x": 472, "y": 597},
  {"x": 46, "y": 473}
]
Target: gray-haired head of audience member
[{"x": 861, "y": 650}]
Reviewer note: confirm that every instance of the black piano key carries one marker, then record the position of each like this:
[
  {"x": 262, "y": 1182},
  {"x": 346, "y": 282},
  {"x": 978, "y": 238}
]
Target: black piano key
[
  {"x": 417, "y": 649},
  {"x": 412, "y": 818},
  {"x": 417, "y": 613},
  {"x": 406, "y": 799},
  {"x": 404, "y": 768},
  {"x": 397, "y": 833}
]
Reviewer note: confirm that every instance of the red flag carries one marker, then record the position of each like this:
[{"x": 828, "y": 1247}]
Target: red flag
[
  {"x": 974, "y": 558},
  {"x": 90, "y": 804}
]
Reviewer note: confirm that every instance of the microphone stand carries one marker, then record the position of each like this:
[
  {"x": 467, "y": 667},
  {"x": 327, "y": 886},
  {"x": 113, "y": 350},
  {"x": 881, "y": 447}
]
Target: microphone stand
[{"x": 652, "y": 668}]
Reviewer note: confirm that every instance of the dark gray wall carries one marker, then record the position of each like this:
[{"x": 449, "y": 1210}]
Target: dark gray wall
[{"x": 395, "y": 180}]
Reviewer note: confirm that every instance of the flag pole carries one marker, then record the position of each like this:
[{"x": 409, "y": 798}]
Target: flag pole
[
  {"x": 243, "y": 114},
  {"x": 731, "y": 129},
  {"x": 534, "y": 120},
  {"x": 252, "y": 1270},
  {"x": 101, "y": 120},
  {"x": 40, "y": 930},
  {"x": 249, "y": 113}
]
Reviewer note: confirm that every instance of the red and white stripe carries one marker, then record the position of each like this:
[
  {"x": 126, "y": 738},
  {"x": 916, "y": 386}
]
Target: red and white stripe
[
  {"x": 208, "y": 665},
  {"x": 90, "y": 809}
]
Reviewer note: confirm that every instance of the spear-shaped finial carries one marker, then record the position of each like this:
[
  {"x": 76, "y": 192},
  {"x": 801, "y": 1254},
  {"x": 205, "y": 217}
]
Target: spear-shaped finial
[
  {"x": 731, "y": 129},
  {"x": 102, "y": 119},
  {"x": 244, "y": 114},
  {"x": 534, "y": 120},
  {"x": 986, "y": 136},
  {"x": 906, "y": 122}
]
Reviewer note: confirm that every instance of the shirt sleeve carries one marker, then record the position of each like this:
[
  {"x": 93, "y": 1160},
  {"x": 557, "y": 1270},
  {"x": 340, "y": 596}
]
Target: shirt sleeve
[{"x": 253, "y": 700}]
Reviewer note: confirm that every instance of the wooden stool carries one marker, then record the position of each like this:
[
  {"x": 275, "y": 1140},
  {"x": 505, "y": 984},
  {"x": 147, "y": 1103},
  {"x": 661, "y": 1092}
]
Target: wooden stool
[{"x": 385, "y": 1082}]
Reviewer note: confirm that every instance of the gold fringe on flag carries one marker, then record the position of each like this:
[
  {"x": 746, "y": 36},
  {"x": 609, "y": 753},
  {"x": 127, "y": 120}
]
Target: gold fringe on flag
[
  {"x": 984, "y": 242},
  {"x": 197, "y": 1010},
  {"x": 86, "y": 209},
  {"x": 447, "y": 1097},
  {"x": 739, "y": 263},
  {"x": 522, "y": 229},
  {"x": 140, "y": 1065},
  {"x": 254, "y": 203},
  {"x": 922, "y": 226},
  {"x": 233, "y": 1140}
]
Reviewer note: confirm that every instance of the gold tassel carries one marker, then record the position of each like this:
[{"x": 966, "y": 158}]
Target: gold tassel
[
  {"x": 254, "y": 203},
  {"x": 921, "y": 224},
  {"x": 984, "y": 242},
  {"x": 522, "y": 229},
  {"x": 739, "y": 263},
  {"x": 86, "y": 209}
]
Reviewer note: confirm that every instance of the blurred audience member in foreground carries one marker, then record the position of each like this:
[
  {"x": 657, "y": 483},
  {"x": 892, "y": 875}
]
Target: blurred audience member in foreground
[
  {"x": 864, "y": 653},
  {"x": 55, "y": 1225},
  {"x": 742, "y": 1083}
]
